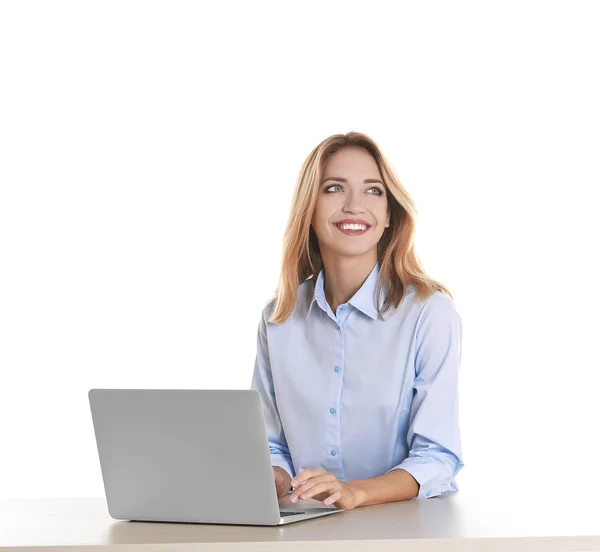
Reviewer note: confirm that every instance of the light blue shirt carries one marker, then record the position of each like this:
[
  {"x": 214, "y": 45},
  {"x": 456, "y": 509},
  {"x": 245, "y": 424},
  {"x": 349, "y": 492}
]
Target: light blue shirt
[{"x": 359, "y": 396}]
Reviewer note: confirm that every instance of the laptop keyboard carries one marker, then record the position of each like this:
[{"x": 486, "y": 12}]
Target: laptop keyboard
[{"x": 285, "y": 514}]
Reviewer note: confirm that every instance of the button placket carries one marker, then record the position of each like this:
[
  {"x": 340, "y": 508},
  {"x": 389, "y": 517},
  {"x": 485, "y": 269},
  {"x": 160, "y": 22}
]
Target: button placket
[{"x": 333, "y": 419}]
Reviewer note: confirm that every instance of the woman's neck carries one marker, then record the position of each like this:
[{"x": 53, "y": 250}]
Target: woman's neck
[{"x": 344, "y": 277}]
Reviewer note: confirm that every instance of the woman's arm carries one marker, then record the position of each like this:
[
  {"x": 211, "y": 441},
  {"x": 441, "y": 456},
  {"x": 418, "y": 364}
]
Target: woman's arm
[
  {"x": 435, "y": 455},
  {"x": 262, "y": 381},
  {"x": 390, "y": 487}
]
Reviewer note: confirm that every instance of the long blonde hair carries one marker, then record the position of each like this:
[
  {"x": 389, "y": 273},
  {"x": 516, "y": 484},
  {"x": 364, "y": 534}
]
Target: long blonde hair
[{"x": 399, "y": 263}]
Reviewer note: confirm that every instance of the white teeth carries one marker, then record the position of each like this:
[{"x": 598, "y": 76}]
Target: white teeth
[{"x": 352, "y": 226}]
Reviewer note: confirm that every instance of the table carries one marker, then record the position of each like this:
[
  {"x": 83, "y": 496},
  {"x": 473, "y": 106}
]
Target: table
[{"x": 453, "y": 521}]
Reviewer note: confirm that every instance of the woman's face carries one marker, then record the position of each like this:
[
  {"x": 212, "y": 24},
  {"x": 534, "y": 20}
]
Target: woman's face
[{"x": 351, "y": 189}]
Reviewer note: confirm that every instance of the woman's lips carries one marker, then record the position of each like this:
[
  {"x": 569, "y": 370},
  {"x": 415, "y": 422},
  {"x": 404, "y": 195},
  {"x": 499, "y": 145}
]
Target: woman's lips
[{"x": 353, "y": 232}]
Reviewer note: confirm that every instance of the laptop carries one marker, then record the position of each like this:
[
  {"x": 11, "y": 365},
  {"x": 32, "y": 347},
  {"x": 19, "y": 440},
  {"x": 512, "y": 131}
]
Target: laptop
[{"x": 188, "y": 456}]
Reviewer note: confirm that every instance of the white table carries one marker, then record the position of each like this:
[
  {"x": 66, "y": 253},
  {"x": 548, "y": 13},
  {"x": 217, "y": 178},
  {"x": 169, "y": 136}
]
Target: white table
[{"x": 457, "y": 521}]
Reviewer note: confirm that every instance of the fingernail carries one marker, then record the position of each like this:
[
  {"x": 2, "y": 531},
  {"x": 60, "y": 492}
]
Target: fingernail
[{"x": 294, "y": 498}]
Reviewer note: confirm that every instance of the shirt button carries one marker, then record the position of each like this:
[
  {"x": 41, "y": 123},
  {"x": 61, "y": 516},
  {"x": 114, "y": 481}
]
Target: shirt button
[
  {"x": 332, "y": 410},
  {"x": 344, "y": 307},
  {"x": 428, "y": 493},
  {"x": 333, "y": 453},
  {"x": 337, "y": 369}
]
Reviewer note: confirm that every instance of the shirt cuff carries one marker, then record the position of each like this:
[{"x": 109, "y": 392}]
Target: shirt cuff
[{"x": 427, "y": 474}]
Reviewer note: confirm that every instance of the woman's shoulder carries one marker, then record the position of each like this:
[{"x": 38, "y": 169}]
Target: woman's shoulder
[
  {"x": 303, "y": 297},
  {"x": 439, "y": 303},
  {"x": 269, "y": 307}
]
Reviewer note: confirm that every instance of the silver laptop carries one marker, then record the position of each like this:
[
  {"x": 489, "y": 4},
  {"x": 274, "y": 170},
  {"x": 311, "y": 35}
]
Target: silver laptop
[{"x": 191, "y": 456}]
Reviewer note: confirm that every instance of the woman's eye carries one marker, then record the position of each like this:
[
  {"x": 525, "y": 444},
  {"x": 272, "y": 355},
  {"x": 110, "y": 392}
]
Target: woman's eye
[{"x": 378, "y": 190}]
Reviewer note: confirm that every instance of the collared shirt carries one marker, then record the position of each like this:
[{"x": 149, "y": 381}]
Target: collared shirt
[{"x": 358, "y": 395}]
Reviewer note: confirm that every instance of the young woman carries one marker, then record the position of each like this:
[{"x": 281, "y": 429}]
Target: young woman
[{"x": 359, "y": 350}]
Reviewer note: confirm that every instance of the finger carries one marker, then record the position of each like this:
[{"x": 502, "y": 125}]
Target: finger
[
  {"x": 311, "y": 483},
  {"x": 315, "y": 479},
  {"x": 306, "y": 474},
  {"x": 303, "y": 488},
  {"x": 337, "y": 495},
  {"x": 321, "y": 496},
  {"x": 325, "y": 486}
]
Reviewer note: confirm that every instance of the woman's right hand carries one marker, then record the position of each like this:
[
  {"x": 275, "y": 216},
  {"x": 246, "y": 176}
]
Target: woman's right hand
[{"x": 283, "y": 481}]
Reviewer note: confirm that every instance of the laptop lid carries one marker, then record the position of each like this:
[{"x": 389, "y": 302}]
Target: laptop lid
[{"x": 197, "y": 456}]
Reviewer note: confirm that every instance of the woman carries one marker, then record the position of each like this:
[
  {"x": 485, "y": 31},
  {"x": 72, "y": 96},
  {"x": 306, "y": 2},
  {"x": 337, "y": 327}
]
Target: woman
[{"x": 359, "y": 350}]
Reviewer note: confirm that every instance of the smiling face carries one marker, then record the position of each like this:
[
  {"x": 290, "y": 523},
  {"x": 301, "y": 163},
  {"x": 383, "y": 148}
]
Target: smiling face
[{"x": 351, "y": 190}]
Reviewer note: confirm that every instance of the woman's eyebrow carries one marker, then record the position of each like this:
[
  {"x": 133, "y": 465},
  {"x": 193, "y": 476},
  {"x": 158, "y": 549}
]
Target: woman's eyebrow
[{"x": 366, "y": 181}]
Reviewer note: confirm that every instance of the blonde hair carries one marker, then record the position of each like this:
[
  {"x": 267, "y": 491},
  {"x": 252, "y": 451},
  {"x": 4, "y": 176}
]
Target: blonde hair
[{"x": 399, "y": 263}]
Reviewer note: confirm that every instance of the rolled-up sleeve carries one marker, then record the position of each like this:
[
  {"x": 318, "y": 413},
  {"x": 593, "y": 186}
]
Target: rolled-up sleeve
[
  {"x": 435, "y": 455},
  {"x": 262, "y": 381}
]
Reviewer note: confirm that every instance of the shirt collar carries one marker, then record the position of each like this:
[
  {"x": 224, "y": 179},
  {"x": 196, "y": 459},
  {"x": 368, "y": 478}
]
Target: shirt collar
[{"x": 364, "y": 299}]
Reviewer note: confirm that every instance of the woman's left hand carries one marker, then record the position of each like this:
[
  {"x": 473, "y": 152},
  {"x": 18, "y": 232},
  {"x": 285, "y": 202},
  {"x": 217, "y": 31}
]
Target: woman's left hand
[{"x": 323, "y": 486}]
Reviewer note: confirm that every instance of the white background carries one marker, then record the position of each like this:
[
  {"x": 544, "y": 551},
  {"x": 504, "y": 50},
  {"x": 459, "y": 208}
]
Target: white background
[{"x": 148, "y": 156}]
